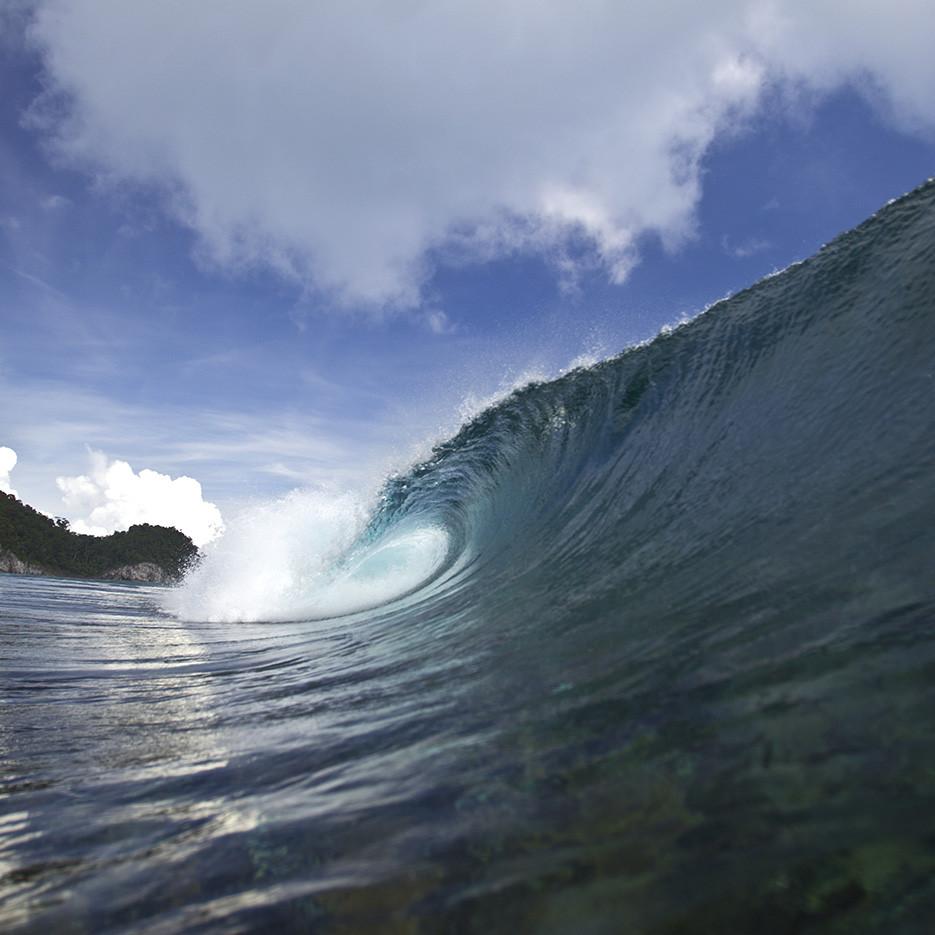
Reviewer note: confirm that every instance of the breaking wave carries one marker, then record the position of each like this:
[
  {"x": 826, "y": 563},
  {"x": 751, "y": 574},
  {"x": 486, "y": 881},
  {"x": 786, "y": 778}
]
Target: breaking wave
[
  {"x": 771, "y": 446},
  {"x": 646, "y": 648}
]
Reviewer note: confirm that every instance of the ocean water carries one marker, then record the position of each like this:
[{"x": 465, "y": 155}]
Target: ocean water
[{"x": 646, "y": 649}]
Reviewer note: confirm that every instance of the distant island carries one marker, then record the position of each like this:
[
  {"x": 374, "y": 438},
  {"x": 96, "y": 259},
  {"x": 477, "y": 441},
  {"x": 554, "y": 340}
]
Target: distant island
[{"x": 33, "y": 544}]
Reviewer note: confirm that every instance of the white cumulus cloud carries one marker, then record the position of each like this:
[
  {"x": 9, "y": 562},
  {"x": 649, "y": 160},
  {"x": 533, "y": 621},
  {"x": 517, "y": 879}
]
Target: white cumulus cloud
[
  {"x": 111, "y": 497},
  {"x": 7, "y": 463},
  {"x": 350, "y": 144}
]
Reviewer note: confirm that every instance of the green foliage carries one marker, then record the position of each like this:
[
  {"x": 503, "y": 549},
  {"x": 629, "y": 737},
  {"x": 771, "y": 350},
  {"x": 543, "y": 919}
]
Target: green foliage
[{"x": 36, "y": 538}]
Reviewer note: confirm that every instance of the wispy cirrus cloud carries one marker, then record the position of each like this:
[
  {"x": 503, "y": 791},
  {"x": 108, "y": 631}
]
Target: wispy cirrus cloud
[
  {"x": 744, "y": 249},
  {"x": 54, "y": 202},
  {"x": 234, "y": 454}
]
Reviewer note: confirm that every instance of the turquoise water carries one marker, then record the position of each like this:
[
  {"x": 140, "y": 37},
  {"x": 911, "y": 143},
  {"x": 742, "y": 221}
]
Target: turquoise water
[{"x": 645, "y": 649}]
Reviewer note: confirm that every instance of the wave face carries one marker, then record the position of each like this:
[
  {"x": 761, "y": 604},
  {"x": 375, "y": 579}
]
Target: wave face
[
  {"x": 647, "y": 648},
  {"x": 748, "y": 453}
]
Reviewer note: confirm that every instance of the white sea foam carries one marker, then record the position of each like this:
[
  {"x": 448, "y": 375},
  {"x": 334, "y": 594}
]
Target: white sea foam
[{"x": 290, "y": 560}]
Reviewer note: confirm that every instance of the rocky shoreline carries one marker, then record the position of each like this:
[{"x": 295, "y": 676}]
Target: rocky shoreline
[
  {"x": 142, "y": 571},
  {"x": 32, "y": 543}
]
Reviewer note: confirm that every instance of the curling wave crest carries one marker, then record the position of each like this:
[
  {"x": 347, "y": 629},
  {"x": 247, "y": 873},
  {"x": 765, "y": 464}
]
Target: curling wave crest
[{"x": 307, "y": 556}]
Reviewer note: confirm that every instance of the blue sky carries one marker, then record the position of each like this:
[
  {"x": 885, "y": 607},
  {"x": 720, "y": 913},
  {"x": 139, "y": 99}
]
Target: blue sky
[{"x": 267, "y": 247}]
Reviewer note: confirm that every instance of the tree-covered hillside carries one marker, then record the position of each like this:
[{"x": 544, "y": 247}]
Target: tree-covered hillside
[{"x": 36, "y": 539}]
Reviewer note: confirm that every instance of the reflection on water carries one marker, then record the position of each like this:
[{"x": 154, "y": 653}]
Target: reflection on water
[
  {"x": 101, "y": 701},
  {"x": 168, "y": 777}
]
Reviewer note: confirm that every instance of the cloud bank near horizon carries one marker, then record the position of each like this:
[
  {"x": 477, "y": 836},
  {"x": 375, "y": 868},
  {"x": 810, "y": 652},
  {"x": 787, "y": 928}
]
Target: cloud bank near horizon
[
  {"x": 350, "y": 145},
  {"x": 112, "y": 497},
  {"x": 7, "y": 463}
]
